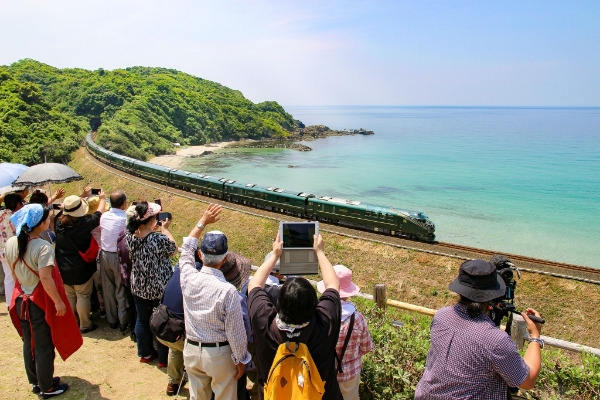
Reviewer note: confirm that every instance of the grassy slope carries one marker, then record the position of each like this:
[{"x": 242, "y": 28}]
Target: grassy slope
[
  {"x": 570, "y": 307},
  {"x": 107, "y": 366}
]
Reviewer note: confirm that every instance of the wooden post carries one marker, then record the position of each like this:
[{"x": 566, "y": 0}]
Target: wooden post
[
  {"x": 380, "y": 296},
  {"x": 518, "y": 331}
]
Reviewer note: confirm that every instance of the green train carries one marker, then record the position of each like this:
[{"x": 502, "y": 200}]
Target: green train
[{"x": 371, "y": 217}]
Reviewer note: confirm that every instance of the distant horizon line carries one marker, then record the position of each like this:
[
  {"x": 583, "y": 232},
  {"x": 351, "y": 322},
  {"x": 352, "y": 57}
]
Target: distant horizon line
[{"x": 436, "y": 106}]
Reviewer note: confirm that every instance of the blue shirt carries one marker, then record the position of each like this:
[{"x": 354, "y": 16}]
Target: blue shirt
[{"x": 469, "y": 358}]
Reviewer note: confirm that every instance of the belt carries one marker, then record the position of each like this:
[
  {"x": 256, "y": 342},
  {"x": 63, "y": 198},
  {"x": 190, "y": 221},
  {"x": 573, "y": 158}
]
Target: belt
[{"x": 194, "y": 343}]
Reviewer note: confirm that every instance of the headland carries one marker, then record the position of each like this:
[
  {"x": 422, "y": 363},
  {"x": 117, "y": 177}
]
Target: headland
[{"x": 303, "y": 134}]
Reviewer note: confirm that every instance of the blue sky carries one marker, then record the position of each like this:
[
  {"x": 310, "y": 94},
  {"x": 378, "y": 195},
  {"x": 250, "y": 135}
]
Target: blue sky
[{"x": 418, "y": 52}]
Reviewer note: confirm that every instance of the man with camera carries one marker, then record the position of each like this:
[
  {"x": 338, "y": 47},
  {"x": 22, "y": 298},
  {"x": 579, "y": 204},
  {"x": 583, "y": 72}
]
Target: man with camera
[{"x": 470, "y": 357}]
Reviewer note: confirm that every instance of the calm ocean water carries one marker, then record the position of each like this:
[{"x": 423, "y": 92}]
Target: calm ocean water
[{"x": 519, "y": 180}]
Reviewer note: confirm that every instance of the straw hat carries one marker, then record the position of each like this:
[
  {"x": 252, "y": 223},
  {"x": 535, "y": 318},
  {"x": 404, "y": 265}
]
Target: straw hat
[{"x": 75, "y": 206}]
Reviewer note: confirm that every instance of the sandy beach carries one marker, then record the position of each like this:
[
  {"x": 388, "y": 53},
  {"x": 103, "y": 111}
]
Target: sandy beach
[{"x": 175, "y": 161}]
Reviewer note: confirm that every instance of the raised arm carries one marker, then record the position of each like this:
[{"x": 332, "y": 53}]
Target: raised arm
[
  {"x": 533, "y": 354},
  {"x": 211, "y": 215},
  {"x": 330, "y": 279},
  {"x": 260, "y": 277}
]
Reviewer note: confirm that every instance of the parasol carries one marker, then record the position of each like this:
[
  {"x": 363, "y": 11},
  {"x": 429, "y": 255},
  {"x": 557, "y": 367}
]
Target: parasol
[
  {"x": 41, "y": 174},
  {"x": 9, "y": 172}
]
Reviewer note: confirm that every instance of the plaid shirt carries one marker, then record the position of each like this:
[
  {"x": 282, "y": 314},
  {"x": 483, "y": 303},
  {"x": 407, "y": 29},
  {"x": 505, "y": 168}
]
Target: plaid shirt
[
  {"x": 360, "y": 343},
  {"x": 469, "y": 358},
  {"x": 211, "y": 305}
]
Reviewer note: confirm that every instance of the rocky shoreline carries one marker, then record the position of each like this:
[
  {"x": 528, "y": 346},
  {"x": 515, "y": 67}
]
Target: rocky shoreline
[
  {"x": 308, "y": 133},
  {"x": 302, "y": 134}
]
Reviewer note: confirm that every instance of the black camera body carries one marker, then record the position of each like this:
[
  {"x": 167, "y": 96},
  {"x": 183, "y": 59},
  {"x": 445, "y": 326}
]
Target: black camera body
[{"x": 504, "y": 306}]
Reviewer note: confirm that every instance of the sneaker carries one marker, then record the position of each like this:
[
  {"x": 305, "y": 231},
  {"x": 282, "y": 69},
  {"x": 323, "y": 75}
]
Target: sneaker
[
  {"x": 114, "y": 325},
  {"x": 56, "y": 390},
  {"x": 36, "y": 389},
  {"x": 90, "y": 329},
  {"x": 148, "y": 359},
  {"x": 172, "y": 389},
  {"x": 161, "y": 365}
]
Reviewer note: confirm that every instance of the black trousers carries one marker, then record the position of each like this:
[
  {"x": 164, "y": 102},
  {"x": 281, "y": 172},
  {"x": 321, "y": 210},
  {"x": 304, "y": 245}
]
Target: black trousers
[{"x": 39, "y": 363}]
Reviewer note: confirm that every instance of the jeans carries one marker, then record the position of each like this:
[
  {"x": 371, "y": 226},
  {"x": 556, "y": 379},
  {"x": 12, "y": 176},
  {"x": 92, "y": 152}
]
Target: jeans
[{"x": 145, "y": 339}]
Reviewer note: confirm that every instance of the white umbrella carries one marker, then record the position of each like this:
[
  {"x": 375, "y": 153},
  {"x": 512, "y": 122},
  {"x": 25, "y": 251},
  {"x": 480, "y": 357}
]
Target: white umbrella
[
  {"x": 9, "y": 172},
  {"x": 41, "y": 174}
]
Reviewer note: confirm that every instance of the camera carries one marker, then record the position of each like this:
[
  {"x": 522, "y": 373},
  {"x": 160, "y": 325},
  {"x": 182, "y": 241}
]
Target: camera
[
  {"x": 95, "y": 191},
  {"x": 56, "y": 206}
]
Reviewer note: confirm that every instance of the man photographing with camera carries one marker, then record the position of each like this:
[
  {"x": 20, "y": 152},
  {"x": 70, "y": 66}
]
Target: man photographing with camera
[{"x": 470, "y": 357}]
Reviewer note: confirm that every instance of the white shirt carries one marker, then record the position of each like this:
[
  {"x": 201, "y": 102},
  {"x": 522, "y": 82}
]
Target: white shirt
[
  {"x": 211, "y": 305},
  {"x": 112, "y": 223}
]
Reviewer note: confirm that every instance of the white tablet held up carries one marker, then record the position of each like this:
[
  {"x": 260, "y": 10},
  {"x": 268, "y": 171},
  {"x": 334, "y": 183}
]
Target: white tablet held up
[{"x": 298, "y": 256}]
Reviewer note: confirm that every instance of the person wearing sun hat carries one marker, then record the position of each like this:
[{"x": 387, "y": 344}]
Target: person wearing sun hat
[
  {"x": 76, "y": 252},
  {"x": 351, "y": 350},
  {"x": 469, "y": 356}
]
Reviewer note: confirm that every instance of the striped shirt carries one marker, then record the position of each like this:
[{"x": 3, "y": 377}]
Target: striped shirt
[
  {"x": 360, "y": 343},
  {"x": 211, "y": 305},
  {"x": 469, "y": 358}
]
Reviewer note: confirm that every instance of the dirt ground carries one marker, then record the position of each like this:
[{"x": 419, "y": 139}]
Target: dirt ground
[{"x": 105, "y": 367}]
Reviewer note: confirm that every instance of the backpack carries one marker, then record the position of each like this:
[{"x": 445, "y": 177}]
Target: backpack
[{"x": 293, "y": 374}]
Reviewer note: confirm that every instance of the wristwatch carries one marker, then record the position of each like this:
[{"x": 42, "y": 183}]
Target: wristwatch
[
  {"x": 537, "y": 340},
  {"x": 200, "y": 225}
]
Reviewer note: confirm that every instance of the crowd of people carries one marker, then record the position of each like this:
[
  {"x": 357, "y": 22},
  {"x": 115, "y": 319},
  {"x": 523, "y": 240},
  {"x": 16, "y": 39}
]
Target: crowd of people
[{"x": 225, "y": 328}]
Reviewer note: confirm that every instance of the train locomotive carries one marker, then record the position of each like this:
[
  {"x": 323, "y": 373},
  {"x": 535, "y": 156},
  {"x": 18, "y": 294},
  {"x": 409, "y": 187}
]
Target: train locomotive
[{"x": 355, "y": 214}]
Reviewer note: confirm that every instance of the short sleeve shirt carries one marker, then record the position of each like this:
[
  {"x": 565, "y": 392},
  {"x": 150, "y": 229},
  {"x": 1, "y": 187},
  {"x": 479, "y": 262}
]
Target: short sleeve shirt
[
  {"x": 151, "y": 266},
  {"x": 321, "y": 343},
  {"x": 39, "y": 254},
  {"x": 469, "y": 358}
]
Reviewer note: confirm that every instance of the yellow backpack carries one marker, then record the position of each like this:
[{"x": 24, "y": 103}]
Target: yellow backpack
[{"x": 293, "y": 374}]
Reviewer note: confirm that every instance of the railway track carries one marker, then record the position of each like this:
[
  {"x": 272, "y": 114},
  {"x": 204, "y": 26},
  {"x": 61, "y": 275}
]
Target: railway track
[{"x": 526, "y": 264}]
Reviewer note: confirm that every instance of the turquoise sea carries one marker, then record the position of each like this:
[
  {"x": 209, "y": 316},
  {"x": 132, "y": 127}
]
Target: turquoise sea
[{"x": 519, "y": 180}]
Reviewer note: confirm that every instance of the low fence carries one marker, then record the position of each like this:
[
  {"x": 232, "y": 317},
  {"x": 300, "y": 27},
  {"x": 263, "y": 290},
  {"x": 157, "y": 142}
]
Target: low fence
[
  {"x": 519, "y": 332},
  {"x": 518, "y": 329}
]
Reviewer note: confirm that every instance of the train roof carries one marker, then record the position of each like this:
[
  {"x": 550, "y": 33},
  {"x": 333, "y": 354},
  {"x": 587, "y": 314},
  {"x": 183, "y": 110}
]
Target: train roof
[{"x": 374, "y": 208}]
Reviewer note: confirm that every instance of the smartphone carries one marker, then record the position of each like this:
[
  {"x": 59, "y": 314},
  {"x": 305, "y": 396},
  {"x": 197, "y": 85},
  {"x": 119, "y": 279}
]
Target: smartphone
[
  {"x": 56, "y": 206},
  {"x": 157, "y": 201},
  {"x": 95, "y": 191},
  {"x": 162, "y": 216}
]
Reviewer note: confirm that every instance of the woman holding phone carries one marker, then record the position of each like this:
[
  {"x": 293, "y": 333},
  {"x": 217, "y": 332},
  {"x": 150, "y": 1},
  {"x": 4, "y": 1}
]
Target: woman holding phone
[{"x": 150, "y": 254}]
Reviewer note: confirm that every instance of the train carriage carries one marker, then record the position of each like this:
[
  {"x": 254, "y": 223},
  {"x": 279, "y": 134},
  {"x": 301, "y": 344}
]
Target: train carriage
[
  {"x": 382, "y": 219},
  {"x": 268, "y": 198}
]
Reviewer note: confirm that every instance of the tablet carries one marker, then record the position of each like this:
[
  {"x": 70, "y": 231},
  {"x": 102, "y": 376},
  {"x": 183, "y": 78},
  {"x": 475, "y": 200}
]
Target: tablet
[
  {"x": 298, "y": 256},
  {"x": 298, "y": 235}
]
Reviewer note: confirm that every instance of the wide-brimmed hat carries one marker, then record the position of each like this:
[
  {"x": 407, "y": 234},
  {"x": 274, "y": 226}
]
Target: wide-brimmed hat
[
  {"x": 236, "y": 269},
  {"x": 94, "y": 202},
  {"x": 75, "y": 206},
  {"x": 347, "y": 287},
  {"x": 478, "y": 281}
]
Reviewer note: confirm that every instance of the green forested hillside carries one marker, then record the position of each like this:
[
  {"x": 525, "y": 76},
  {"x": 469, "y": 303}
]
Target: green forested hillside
[{"x": 138, "y": 111}]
